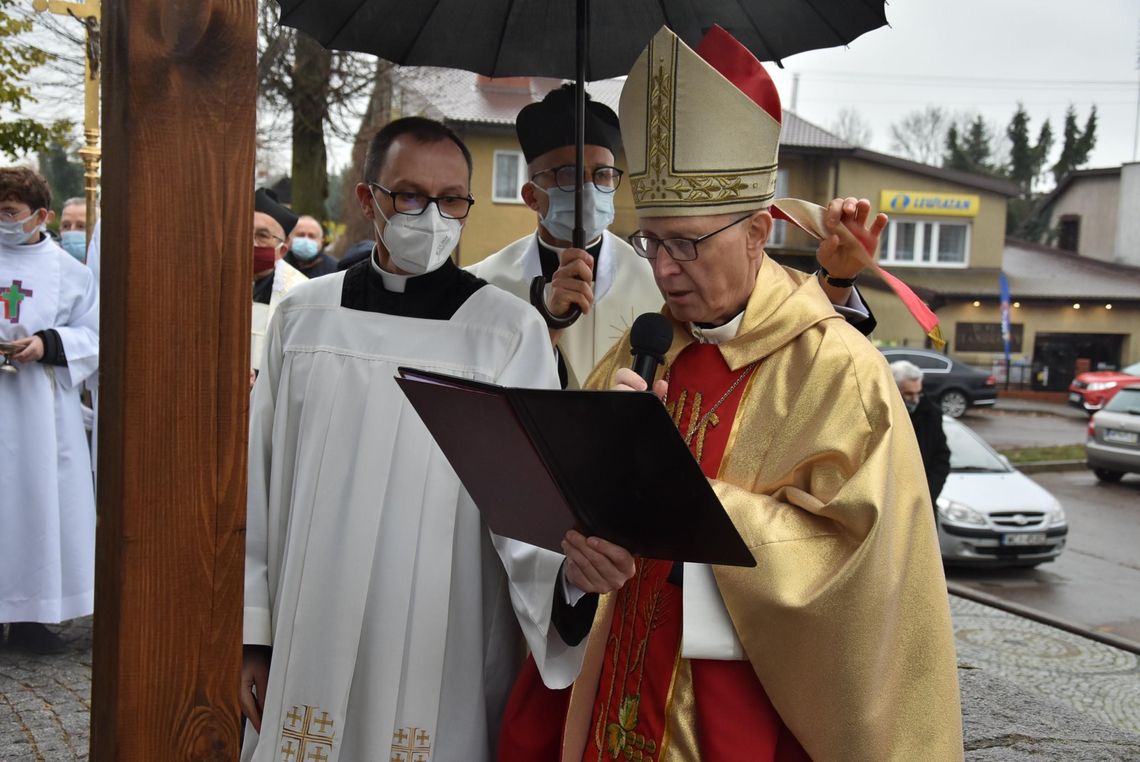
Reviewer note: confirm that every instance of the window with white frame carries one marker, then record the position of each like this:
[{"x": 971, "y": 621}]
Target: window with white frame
[
  {"x": 509, "y": 176},
  {"x": 779, "y": 233},
  {"x": 926, "y": 243}
]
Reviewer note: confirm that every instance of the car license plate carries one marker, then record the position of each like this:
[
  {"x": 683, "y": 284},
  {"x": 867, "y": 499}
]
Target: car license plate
[
  {"x": 1034, "y": 538},
  {"x": 1123, "y": 437},
  {"x": 1074, "y": 397}
]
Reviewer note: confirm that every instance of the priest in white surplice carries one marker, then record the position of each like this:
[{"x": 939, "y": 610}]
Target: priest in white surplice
[
  {"x": 376, "y": 599},
  {"x": 49, "y": 324},
  {"x": 619, "y": 285}
]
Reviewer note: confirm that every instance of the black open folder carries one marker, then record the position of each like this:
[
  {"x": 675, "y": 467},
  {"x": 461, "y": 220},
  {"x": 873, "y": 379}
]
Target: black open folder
[{"x": 539, "y": 462}]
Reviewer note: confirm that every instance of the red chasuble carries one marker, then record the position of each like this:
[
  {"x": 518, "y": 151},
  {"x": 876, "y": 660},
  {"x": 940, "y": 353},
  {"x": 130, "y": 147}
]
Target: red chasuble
[
  {"x": 649, "y": 698},
  {"x": 645, "y": 702}
]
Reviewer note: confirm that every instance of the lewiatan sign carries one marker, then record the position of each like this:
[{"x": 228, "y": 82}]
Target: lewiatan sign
[{"x": 922, "y": 202}]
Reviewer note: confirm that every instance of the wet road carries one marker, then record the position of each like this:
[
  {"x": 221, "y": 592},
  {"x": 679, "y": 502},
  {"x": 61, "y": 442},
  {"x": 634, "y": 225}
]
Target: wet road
[
  {"x": 1095, "y": 583},
  {"x": 1004, "y": 429}
]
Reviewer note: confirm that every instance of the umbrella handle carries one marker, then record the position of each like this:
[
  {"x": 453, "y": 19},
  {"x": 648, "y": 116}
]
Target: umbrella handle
[{"x": 538, "y": 299}]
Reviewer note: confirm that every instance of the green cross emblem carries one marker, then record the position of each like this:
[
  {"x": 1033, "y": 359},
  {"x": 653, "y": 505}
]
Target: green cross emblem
[{"x": 12, "y": 297}]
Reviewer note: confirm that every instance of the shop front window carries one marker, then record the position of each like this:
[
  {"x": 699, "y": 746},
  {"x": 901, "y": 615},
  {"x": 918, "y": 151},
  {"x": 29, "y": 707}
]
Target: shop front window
[{"x": 926, "y": 243}]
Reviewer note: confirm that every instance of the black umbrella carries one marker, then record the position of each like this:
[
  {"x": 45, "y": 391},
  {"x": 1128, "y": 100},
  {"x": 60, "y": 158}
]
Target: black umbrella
[{"x": 503, "y": 38}]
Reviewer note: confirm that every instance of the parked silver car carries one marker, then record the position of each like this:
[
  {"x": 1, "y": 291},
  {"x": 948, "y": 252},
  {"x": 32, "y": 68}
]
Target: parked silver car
[
  {"x": 989, "y": 513},
  {"x": 1113, "y": 445}
]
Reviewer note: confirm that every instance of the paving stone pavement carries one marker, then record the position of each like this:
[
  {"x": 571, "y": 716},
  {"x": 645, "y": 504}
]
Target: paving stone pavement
[{"x": 1029, "y": 692}]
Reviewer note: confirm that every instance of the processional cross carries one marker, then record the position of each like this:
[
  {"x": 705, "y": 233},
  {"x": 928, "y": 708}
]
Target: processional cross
[{"x": 87, "y": 12}]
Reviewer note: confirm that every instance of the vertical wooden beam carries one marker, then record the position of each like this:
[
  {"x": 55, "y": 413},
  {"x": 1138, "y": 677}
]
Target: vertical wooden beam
[{"x": 179, "y": 102}]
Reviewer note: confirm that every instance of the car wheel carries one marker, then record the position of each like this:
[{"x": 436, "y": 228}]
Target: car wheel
[
  {"x": 954, "y": 403},
  {"x": 1108, "y": 476}
]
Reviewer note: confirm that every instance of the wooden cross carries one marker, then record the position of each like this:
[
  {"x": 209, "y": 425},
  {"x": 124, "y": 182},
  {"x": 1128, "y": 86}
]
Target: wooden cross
[
  {"x": 180, "y": 88},
  {"x": 88, "y": 12}
]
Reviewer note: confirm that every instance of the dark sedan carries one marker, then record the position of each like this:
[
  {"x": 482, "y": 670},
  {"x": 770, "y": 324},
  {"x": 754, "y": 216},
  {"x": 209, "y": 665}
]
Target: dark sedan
[{"x": 955, "y": 386}]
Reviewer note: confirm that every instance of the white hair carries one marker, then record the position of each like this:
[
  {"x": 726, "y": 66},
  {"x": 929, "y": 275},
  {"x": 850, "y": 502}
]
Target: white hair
[
  {"x": 76, "y": 201},
  {"x": 904, "y": 370}
]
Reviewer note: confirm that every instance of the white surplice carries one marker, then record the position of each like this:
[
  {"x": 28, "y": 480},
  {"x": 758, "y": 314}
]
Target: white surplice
[
  {"x": 623, "y": 289},
  {"x": 368, "y": 568},
  {"x": 285, "y": 279},
  {"x": 47, "y": 501}
]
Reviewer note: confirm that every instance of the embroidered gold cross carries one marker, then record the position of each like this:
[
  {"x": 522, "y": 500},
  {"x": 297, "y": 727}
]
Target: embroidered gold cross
[
  {"x": 303, "y": 743},
  {"x": 411, "y": 745},
  {"x": 698, "y": 425}
]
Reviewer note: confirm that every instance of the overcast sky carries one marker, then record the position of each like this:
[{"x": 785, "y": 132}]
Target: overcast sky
[{"x": 983, "y": 56}]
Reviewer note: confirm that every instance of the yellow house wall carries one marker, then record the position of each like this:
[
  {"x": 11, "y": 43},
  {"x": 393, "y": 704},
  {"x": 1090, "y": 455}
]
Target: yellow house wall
[
  {"x": 897, "y": 328},
  {"x": 494, "y": 224},
  {"x": 864, "y": 179}
]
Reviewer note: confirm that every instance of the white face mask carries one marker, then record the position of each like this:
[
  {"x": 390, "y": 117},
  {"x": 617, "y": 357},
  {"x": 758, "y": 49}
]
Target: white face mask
[
  {"x": 418, "y": 243},
  {"x": 13, "y": 233},
  {"x": 597, "y": 212}
]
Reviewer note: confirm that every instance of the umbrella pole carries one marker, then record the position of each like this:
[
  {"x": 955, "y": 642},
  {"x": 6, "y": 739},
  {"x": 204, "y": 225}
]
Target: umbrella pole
[
  {"x": 538, "y": 284},
  {"x": 583, "y": 43}
]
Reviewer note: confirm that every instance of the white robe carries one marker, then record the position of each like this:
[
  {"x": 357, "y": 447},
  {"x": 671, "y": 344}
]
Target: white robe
[
  {"x": 623, "y": 289},
  {"x": 368, "y": 568},
  {"x": 285, "y": 279},
  {"x": 47, "y": 501}
]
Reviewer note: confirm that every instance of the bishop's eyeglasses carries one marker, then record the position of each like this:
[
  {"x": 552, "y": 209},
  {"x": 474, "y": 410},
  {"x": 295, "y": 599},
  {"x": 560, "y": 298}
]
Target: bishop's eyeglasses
[
  {"x": 415, "y": 204},
  {"x": 680, "y": 249},
  {"x": 605, "y": 178}
]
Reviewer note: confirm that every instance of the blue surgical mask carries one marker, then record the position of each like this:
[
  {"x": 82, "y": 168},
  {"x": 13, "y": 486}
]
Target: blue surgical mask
[
  {"x": 597, "y": 212},
  {"x": 911, "y": 405},
  {"x": 13, "y": 233},
  {"x": 306, "y": 249},
  {"x": 74, "y": 242}
]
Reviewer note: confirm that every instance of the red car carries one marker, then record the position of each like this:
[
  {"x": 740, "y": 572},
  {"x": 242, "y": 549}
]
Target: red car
[{"x": 1090, "y": 391}]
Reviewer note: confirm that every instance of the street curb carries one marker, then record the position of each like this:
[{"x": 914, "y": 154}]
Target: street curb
[
  {"x": 1051, "y": 465},
  {"x": 1036, "y": 615}
]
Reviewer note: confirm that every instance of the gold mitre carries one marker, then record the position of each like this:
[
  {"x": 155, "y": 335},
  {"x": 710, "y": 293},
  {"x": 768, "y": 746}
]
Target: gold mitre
[{"x": 701, "y": 128}]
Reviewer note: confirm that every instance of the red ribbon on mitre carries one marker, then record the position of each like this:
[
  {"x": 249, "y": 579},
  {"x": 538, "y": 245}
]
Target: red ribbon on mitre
[{"x": 808, "y": 217}]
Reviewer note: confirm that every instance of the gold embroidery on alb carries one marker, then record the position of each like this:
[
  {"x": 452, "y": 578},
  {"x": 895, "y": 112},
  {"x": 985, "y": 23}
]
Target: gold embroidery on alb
[
  {"x": 307, "y": 735},
  {"x": 411, "y": 744}
]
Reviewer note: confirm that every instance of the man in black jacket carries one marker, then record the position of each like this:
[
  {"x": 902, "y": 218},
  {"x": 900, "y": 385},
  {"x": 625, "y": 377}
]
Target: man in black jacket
[{"x": 927, "y": 421}]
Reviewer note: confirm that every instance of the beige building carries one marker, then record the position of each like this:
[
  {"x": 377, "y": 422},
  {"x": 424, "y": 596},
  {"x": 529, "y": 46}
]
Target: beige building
[
  {"x": 1094, "y": 213},
  {"x": 946, "y": 238}
]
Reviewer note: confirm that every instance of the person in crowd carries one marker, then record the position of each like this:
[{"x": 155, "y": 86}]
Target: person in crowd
[
  {"x": 49, "y": 342},
  {"x": 307, "y": 248},
  {"x": 73, "y": 228},
  {"x": 382, "y": 618},
  {"x": 273, "y": 277},
  {"x": 926, "y": 419},
  {"x": 838, "y": 643}
]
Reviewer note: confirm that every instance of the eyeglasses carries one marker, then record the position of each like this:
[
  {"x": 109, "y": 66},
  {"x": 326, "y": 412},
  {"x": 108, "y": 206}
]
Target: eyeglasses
[
  {"x": 265, "y": 238},
  {"x": 680, "y": 249},
  {"x": 15, "y": 216},
  {"x": 606, "y": 179},
  {"x": 414, "y": 204}
]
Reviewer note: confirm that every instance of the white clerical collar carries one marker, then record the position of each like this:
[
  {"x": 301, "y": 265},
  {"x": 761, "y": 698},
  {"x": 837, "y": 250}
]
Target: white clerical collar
[
  {"x": 718, "y": 334},
  {"x": 392, "y": 282},
  {"x": 559, "y": 249}
]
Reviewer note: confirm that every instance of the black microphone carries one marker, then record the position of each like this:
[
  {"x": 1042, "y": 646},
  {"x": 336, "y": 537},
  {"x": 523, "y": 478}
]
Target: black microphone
[{"x": 648, "y": 342}]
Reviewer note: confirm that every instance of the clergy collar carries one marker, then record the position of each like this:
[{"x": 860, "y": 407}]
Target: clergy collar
[
  {"x": 393, "y": 282},
  {"x": 593, "y": 247},
  {"x": 717, "y": 334}
]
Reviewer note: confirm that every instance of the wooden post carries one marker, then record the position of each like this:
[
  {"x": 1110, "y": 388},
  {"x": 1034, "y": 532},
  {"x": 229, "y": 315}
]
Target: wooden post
[{"x": 179, "y": 96}]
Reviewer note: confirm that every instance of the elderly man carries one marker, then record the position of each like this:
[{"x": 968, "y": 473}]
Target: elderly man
[
  {"x": 838, "y": 644},
  {"x": 307, "y": 249},
  {"x": 273, "y": 277},
  {"x": 372, "y": 587},
  {"x": 606, "y": 280},
  {"x": 73, "y": 228},
  {"x": 926, "y": 419}
]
